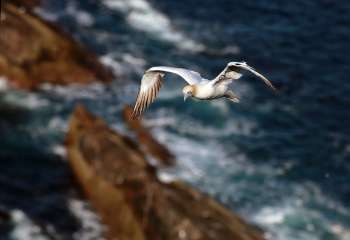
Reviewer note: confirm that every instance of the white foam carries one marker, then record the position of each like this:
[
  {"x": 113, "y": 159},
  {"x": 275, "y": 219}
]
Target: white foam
[
  {"x": 3, "y": 84},
  {"x": 270, "y": 215},
  {"x": 340, "y": 231},
  {"x": 229, "y": 127},
  {"x": 132, "y": 60},
  {"x": 190, "y": 155},
  {"x": 91, "y": 226},
  {"x": 50, "y": 16},
  {"x": 24, "y": 227},
  {"x": 76, "y": 91},
  {"x": 279, "y": 219},
  {"x": 59, "y": 150},
  {"x": 165, "y": 177},
  {"x": 83, "y": 18},
  {"x": 124, "y": 64},
  {"x": 111, "y": 62},
  {"x": 33, "y": 101},
  {"x": 292, "y": 215},
  {"x": 143, "y": 17},
  {"x": 26, "y": 100},
  {"x": 159, "y": 122},
  {"x": 57, "y": 123}
]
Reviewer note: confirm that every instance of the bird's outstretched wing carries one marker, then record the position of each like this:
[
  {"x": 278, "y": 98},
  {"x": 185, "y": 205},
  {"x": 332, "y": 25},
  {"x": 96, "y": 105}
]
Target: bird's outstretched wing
[
  {"x": 191, "y": 77},
  {"x": 152, "y": 81},
  {"x": 233, "y": 71}
]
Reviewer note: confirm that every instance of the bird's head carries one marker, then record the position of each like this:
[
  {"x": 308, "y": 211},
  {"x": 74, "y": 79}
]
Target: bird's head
[{"x": 188, "y": 91}]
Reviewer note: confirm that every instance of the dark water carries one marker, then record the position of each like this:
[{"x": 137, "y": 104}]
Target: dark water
[{"x": 281, "y": 161}]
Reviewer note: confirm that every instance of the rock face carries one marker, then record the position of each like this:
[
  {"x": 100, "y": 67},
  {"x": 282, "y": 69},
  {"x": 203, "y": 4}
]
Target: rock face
[
  {"x": 148, "y": 143},
  {"x": 130, "y": 199},
  {"x": 33, "y": 51}
]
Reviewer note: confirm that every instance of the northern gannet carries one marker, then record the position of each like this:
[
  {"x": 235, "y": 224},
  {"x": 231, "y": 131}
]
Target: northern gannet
[{"x": 198, "y": 87}]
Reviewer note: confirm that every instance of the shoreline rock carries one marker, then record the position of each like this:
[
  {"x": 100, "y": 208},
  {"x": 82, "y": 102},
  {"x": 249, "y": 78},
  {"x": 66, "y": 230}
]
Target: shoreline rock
[
  {"x": 149, "y": 144},
  {"x": 132, "y": 202},
  {"x": 34, "y": 51}
]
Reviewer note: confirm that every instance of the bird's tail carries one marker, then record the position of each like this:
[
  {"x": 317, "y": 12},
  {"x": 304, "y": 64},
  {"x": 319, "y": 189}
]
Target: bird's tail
[{"x": 230, "y": 95}]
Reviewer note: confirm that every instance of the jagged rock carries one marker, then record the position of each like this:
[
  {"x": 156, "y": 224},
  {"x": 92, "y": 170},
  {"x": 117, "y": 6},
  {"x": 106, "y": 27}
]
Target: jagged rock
[
  {"x": 130, "y": 199},
  {"x": 33, "y": 51},
  {"x": 146, "y": 140}
]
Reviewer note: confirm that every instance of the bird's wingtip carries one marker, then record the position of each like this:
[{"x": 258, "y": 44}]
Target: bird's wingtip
[
  {"x": 134, "y": 116},
  {"x": 238, "y": 63},
  {"x": 274, "y": 89}
]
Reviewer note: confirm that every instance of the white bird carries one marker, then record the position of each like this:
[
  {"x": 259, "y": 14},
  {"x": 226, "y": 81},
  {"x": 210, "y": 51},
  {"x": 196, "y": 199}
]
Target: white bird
[{"x": 198, "y": 87}]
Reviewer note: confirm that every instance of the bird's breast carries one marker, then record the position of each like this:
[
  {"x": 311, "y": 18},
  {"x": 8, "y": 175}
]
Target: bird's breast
[{"x": 207, "y": 91}]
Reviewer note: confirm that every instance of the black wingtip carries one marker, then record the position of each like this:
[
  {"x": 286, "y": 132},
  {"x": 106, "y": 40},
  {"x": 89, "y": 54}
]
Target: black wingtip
[{"x": 275, "y": 90}]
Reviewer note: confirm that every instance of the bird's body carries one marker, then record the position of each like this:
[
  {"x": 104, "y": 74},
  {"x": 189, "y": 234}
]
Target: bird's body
[
  {"x": 206, "y": 91},
  {"x": 198, "y": 87}
]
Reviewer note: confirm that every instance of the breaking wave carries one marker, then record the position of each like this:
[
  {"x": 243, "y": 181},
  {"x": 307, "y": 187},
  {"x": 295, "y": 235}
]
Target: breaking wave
[
  {"x": 143, "y": 17},
  {"x": 297, "y": 211},
  {"x": 25, "y": 228},
  {"x": 91, "y": 227}
]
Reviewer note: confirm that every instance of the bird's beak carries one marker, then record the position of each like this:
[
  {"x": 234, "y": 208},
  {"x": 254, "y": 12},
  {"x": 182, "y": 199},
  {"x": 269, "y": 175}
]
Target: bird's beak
[{"x": 186, "y": 96}]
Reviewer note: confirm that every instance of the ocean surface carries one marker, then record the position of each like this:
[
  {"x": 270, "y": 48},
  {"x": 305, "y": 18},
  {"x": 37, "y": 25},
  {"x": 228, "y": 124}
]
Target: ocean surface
[{"x": 280, "y": 161}]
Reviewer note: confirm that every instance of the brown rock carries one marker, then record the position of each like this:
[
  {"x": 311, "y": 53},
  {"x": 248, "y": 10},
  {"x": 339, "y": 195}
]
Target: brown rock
[
  {"x": 146, "y": 140},
  {"x": 33, "y": 51},
  {"x": 131, "y": 201}
]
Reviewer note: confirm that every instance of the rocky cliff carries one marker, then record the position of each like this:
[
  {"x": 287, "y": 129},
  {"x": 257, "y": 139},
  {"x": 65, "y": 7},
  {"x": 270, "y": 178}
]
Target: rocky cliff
[
  {"x": 33, "y": 51},
  {"x": 131, "y": 200}
]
